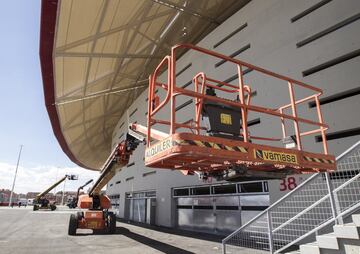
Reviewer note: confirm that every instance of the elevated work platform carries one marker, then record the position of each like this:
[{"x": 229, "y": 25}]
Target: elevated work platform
[
  {"x": 216, "y": 140},
  {"x": 187, "y": 151}
]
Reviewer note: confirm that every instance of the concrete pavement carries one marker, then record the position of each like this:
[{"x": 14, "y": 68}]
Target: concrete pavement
[{"x": 25, "y": 231}]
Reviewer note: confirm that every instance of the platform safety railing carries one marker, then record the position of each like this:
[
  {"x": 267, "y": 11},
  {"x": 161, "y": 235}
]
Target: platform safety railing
[
  {"x": 173, "y": 91},
  {"x": 321, "y": 200}
]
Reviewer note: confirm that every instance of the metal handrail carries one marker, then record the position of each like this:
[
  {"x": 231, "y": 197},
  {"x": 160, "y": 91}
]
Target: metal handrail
[
  {"x": 269, "y": 208},
  {"x": 347, "y": 183},
  {"x": 329, "y": 222},
  {"x": 334, "y": 219},
  {"x": 276, "y": 242}
]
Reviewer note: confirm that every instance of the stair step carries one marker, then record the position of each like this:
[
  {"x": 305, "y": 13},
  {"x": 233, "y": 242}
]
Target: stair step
[
  {"x": 293, "y": 252},
  {"x": 328, "y": 241},
  {"x": 356, "y": 219},
  {"x": 310, "y": 248},
  {"x": 348, "y": 230}
]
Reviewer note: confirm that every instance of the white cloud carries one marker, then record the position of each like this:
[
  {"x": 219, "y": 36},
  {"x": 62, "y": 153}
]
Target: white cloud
[{"x": 38, "y": 178}]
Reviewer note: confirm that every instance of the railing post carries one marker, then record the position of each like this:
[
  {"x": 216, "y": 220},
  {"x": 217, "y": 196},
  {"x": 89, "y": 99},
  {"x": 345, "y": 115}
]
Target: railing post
[
  {"x": 223, "y": 247},
  {"x": 294, "y": 113},
  {"x": 332, "y": 198},
  {"x": 172, "y": 84},
  {"x": 242, "y": 100},
  {"x": 270, "y": 235},
  {"x": 323, "y": 135}
]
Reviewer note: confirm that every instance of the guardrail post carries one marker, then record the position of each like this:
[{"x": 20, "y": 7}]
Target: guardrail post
[
  {"x": 270, "y": 235},
  {"x": 332, "y": 198},
  {"x": 223, "y": 247}
]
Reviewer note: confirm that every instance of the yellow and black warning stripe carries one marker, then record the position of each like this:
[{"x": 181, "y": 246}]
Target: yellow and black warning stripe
[
  {"x": 212, "y": 145},
  {"x": 259, "y": 154},
  {"x": 318, "y": 160}
]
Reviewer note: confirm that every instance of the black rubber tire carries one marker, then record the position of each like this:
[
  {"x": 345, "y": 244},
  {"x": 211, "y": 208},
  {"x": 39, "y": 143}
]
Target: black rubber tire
[
  {"x": 112, "y": 223},
  {"x": 52, "y": 207},
  {"x": 73, "y": 222},
  {"x": 35, "y": 208}
]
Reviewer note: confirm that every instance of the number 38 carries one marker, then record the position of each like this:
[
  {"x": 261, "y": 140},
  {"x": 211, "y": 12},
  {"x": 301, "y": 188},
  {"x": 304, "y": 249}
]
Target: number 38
[{"x": 288, "y": 184}]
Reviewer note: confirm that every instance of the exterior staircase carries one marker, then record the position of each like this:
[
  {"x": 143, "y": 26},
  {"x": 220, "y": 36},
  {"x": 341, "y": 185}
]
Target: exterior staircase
[
  {"x": 345, "y": 239},
  {"x": 319, "y": 216}
]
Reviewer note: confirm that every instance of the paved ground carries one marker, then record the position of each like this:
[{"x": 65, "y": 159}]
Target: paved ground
[{"x": 25, "y": 231}]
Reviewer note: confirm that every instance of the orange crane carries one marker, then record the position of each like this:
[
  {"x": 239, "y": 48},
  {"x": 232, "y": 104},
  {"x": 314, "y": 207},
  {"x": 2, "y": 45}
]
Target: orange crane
[{"x": 216, "y": 142}]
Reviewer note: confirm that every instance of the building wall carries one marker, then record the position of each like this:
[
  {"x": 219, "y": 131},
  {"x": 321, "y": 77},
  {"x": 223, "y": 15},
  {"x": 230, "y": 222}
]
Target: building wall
[{"x": 268, "y": 34}]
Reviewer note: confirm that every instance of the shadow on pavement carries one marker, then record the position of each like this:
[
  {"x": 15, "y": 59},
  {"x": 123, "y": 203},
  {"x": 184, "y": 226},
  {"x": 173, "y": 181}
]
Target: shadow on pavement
[
  {"x": 160, "y": 246},
  {"x": 176, "y": 231}
]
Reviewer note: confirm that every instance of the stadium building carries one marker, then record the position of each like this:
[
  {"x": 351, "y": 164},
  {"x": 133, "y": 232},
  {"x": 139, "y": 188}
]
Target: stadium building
[{"x": 96, "y": 57}]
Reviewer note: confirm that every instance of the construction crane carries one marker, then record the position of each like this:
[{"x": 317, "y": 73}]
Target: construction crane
[
  {"x": 41, "y": 202},
  {"x": 73, "y": 203},
  {"x": 216, "y": 142}
]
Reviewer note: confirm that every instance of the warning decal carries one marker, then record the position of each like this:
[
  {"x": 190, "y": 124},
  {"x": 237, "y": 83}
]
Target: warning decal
[{"x": 158, "y": 147}]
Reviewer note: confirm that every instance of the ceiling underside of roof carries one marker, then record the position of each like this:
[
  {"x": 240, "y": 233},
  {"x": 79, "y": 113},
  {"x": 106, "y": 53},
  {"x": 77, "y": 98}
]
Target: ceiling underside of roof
[{"x": 103, "y": 53}]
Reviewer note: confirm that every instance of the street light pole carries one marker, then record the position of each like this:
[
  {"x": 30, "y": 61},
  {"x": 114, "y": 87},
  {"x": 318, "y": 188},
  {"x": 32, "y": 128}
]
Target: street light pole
[{"x": 13, "y": 185}]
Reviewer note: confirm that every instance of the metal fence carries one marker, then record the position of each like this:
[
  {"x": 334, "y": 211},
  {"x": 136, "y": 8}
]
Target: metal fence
[{"x": 321, "y": 200}]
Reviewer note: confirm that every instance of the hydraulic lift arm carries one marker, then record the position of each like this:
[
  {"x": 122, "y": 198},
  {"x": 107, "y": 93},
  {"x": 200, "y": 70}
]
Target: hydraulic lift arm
[
  {"x": 82, "y": 187},
  {"x": 42, "y": 194},
  {"x": 118, "y": 158}
]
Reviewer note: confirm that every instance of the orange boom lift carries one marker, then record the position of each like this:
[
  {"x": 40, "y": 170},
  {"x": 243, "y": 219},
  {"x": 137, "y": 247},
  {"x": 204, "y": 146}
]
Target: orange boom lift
[{"x": 216, "y": 141}]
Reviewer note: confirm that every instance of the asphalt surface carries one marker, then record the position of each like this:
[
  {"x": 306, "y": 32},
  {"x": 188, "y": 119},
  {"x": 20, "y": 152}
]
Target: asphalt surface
[{"x": 25, "y": 231}]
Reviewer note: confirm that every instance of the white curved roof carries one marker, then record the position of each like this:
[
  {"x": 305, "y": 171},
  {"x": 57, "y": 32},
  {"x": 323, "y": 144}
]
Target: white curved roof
[{"x": 102, "y": 54}]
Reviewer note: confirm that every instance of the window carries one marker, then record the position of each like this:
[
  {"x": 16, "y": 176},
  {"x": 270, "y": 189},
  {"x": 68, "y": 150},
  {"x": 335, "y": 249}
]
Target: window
[
  {"x": 133, "y": 112},
  {"x": 187, "y": 84},
  {"x": 129, "y": 178},
  {"x": 230, "y": 35},
  {"x": 224, "y": 189},
  {"x": 309, "y": 10},
  {"x": 181, "y": 192},
  {"x": 130, "y": 164},
  {"x": 236, "y": 53},
  {"x": 336, "y": 97},
  {"x": 328, "y": 30},
  {"x": 149, "y": 173},
  {"x": 183, "y": 69},
  {"x": 251, "y": 187},
  {"x": 253, "y": 122},
  {"x": 200, "y": 191},
  {"x": 331, "y": 63},
  {"x": 183, "y": 105},
  {"x": 339, "y": 134}
]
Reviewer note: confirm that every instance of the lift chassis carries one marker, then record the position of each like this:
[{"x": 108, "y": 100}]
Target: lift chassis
[{"x": 95, "y": 206}]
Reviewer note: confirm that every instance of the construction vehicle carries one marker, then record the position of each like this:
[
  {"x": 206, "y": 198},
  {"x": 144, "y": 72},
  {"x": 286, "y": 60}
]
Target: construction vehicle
[
  {"x": 41, "y": 202},
  {"x": 73, "y": 203},
  {"x": 216, "y": 142},
  {"x": 97, "y": 216}
]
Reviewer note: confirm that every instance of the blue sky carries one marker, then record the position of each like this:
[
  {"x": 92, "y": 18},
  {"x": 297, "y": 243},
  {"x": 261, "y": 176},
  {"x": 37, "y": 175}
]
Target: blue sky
[{"x": 24, "y": 118}]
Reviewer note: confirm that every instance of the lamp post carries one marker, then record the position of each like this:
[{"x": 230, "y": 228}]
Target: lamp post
[{"x": 13, "y": 185}]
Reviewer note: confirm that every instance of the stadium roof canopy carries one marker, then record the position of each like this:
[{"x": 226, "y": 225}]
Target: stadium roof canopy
[{"x": 96, "y": 57}]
